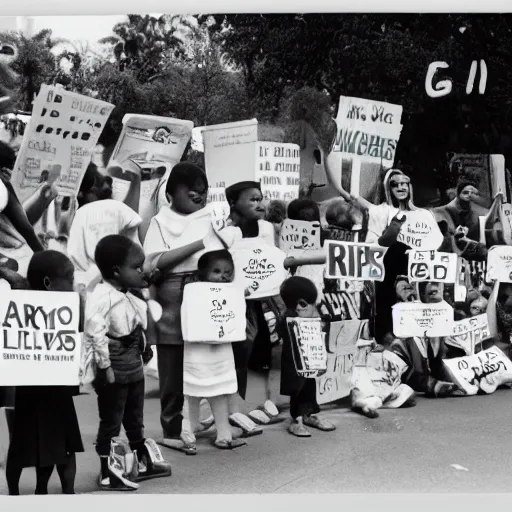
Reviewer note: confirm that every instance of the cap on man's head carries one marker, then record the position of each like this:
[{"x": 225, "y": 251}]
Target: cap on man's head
[{"x": 233, "y": 192}]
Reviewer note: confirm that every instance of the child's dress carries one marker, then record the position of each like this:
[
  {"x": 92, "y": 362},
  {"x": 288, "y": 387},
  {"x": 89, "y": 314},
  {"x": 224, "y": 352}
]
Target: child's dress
[{"x": 208, "y": 370}]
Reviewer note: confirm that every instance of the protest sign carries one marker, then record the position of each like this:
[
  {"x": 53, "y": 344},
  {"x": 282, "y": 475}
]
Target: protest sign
[
  {"x": 422, "y": 320},
  {"x": 308, "y": 346},
  {"x": 59, "y": 141},
  {"x": 433, "y": 266},
  {"x": 298, "y": 236},
  {"x": 469, "y": 332},
  {"x": 341, "y": 348},
  {"x": 258, "y": 267},
  {"x": 213, "y": 313},
  {"x": 357, "y": 261},
  {"x": 420, "y": 231},
  {"x": 340, "y": 234},
  {"x": 499, "y": 264},
  {"x": 343, "y": 303},
  {"x": 41, "y": 344},
  {"x": 484, "y": 371},
  {"x": 278, "y": 170},
  {"x": 230, "y": 152},
  {"x": 147, "y": 149}
]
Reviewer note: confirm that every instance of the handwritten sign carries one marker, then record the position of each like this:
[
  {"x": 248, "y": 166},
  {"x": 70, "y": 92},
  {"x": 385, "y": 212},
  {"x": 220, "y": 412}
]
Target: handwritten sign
[
  {"x": 340, "y": 234},
  {"x": 468, "y": 333},
  {"x": 258, "y": 267},
  {"x": 433, "y": 266},
  {"x": 278, "y": 170},
  {"x": 41, "y": 344},
  {"x": 358, "y": 261},
  {"x": 308, "y": 346},
  {"x": 230, "y": 152},
  {"x": 484, "y": 371},
  {"x": 299, "y": 236},
  {"x": 420, "y": 231},
  {"x": 60, "y": 139},
  {"x": 368, "y": 129},
  {"x": 422, "y": 320},
  {"x": 154, "y": 145},
  {"x": 499, "y": 264},
  {"x": 341, "y": 348},
  {"x": 213, "y": 313}
]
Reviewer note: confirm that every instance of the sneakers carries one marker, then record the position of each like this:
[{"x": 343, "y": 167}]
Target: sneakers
[
  {"x": 123, "y": 468},
  {"x": 151, "y": 463}
]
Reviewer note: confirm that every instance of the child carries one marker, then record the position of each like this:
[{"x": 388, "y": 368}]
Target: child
[
  {"x": 115, "y": 321},
  {"x": 209, "y": 370},
  {"x": 175, "y": 240},
  {"x": 299, "y": 295},
  {"x": 45, "y": 431}
]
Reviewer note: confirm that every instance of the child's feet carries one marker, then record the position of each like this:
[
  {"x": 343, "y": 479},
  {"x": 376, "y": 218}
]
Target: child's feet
[
  {"x": 318, "y": 423},
  {"x": 298, "y": 429},
  {"x": 229, "y": 444}
]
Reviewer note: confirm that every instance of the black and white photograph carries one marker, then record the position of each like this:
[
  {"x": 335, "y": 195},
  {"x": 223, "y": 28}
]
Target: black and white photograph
[{"x": 255, "y": 253}]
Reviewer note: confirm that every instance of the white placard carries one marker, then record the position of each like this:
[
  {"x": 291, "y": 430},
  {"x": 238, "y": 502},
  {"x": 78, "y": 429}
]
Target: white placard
[
  {"x": 422, "y": 320},
  {"x": 420, "y": 231},
  {"x": 354, "y": 260},
  {"x": 308, "y": 346},
  {"x": 278, "y": 170},
  {"x": 297, "y": 237},
  {"x": 432, "y": 266},
  {"x": 469, "y": 332},
  {"x": 499, "y": 264},
  {"x": 59, "y": 141},
  {"x": 368, "y": 130},
  {"x": 230, "y": 152},
  {"x": 213, "y": 313},
  {"x": 41, "y": 344},
  {"x": 258, "y": 267},
  {"x": 483, "y": 371}
]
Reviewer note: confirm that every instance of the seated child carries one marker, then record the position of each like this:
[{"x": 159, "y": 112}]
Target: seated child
[
  {"x": 116, "y": 318},
  {"x": 299, "y": 295}
]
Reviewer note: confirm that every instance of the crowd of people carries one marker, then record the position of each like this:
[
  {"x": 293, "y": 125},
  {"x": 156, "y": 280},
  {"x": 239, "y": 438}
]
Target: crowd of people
[{"x": 131, "y": 293}]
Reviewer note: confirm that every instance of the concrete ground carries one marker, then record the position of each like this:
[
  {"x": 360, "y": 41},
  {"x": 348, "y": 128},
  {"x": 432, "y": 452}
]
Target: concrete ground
[{"x": 441, "y": 445}]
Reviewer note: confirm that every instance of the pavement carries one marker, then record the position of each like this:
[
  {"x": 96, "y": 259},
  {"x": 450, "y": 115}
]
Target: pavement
[{"x": 458, "y": 444}]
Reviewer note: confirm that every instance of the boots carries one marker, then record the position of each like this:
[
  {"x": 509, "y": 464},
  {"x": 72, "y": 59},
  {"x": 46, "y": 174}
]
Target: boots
[
  {"x": 122, "y": 468},
  {"x": 152, "y": 463}
]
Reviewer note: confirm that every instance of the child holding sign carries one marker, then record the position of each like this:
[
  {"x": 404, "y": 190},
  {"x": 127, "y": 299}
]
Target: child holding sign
[
  {"x": 209, "y": 370},
  {"x": 116, "y": 318},
  {"x": 299, "y": 295},
  {"x": 45, "y": 432}
]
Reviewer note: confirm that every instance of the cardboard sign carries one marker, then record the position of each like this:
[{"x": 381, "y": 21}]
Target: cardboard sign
[
  {"x": 341, "y": 348},
  {"x": 299, "y": 236},
  {"x": 357, "y": 261},
  {"x": 154, "y": 145},
  {"x": 483, "y": 371},
  {"x": 468, "y": 333},
  {"x": 213, "y": 313},
  {"x": 433, "y": 266},
  {"x": 308, "y": 346},
  {"x": 278, "y": 170},
  {"x": 41, "y": 344},
  {"x": 422, "y": 320},
  {"x": 258, "y": 267},
  {"x": 499, "y": 264},
  {"x": 230, "y": 152},
  {"x": 420, "y": 231},
  {"x": 368, "y": 130},
  {"x": 59, "y": 141}
]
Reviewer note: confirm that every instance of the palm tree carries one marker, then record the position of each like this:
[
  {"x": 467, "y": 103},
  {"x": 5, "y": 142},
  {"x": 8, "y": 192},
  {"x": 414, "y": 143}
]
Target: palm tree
[{"x": 146, "y": 43}]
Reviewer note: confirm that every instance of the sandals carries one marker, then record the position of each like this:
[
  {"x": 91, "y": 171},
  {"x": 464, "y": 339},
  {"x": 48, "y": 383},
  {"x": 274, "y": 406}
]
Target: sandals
[
  {"x": 224, "y": 444},
  {"x": 179, "y": 445},
  {"x": 319, "y": 424},
  {"x": 249, "y": 428}
]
